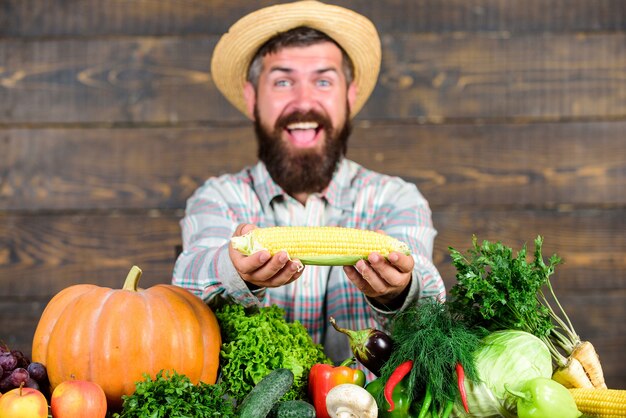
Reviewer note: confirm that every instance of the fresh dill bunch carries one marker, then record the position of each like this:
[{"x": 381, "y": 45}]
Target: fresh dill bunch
[{"x": 429, "y": 335}]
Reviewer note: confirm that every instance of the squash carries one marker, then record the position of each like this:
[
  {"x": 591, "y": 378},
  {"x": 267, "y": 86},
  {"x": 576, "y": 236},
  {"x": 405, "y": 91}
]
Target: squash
[{"x": 115, "y": 336}]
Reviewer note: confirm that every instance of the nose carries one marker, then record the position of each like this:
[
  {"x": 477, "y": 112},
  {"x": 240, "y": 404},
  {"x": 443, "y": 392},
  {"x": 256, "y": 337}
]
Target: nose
[{"x": 303, "y": 98}]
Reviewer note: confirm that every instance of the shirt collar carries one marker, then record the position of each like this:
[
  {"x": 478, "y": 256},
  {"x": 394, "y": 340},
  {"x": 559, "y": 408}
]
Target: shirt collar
[
  {"x": 336, "y": 194},
  {"x": 338, "y": 191},
  {"x": 265, "y": 187}
]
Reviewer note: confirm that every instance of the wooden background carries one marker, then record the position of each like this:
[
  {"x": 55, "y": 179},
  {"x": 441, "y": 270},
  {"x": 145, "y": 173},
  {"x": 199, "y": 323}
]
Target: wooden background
[{"x": 510, "y": 116}]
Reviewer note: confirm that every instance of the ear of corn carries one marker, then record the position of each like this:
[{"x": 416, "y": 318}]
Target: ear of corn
[
  {"x": 601, "y": 403},
  {"x": 323, "y": 245}
]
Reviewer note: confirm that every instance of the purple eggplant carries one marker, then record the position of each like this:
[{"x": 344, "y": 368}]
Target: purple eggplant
[{"x": 371, "y": 347}]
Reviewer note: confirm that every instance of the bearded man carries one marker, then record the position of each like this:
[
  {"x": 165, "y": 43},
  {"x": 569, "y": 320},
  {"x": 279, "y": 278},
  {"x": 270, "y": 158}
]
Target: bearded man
[{"x": 300, "y": 72}]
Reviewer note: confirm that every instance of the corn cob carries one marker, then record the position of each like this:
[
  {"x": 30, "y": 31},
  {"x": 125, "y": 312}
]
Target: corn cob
[
  {"x": 600, "y": 403},
  {"x": 319, "y": 245}
]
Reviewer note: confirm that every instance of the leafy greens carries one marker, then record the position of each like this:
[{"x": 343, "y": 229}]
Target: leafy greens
[
  {"x": 500, "y": 291},
  {"x": 256, "y": 342},
  {"x": 173, "y": 395}
]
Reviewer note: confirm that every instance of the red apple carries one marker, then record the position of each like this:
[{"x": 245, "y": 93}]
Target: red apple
[
  {"x": 23, "y": 403},
  {"x": 78, "y": 399}
]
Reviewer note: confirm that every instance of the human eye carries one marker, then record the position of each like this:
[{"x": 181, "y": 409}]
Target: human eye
[
  {"x": 282, "y": 82},
  {"x": 323, "y": 82}
]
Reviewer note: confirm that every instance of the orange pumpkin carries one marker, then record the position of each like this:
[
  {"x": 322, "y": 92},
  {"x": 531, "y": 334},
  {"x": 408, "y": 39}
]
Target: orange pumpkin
[{"x": 114, "y": 336}]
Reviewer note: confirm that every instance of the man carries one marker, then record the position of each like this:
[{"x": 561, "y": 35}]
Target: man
[{"x": 300, "y": 72}]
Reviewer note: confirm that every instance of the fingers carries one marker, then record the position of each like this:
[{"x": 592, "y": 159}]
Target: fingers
[
  {"x": 393, "y": 270},
  {"x": 404, "y": 263},
  {"x": 277, "y": 269},
  {"x": 355, "y": 277},
  {"x": 243, "y": 229},
  {"x": 292, "y": 270},
  {"x": 379, "y": 276},
  {"x": 370, "y": 273},
  {"x": 366, "y": 279},
  {"x": 246, "y": 265},
  {"x": 261, "y": 269}
]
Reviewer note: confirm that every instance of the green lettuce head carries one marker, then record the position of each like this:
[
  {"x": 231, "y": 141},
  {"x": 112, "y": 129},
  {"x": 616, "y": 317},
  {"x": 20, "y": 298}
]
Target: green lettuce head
[{"x": 257, "y": 341}]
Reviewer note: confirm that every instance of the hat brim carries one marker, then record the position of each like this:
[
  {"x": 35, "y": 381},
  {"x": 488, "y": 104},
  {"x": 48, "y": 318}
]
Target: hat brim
[{"x": 353, "y": 32}]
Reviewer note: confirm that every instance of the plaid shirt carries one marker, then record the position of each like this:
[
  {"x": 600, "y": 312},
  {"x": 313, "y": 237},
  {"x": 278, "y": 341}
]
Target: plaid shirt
[{"x": 355, "y": 198}]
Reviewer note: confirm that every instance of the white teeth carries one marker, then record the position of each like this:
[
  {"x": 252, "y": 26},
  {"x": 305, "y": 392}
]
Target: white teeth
[{"x": 302, "y": 125}]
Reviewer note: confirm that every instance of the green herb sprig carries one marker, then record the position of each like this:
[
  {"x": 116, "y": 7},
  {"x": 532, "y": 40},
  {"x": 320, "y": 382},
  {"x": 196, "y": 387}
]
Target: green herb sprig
[{"x": 173, "y": 395}]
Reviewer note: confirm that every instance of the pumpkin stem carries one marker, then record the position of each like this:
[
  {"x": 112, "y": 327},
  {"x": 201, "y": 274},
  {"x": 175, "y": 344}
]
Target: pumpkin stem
[{"x": 132, "y": 279}]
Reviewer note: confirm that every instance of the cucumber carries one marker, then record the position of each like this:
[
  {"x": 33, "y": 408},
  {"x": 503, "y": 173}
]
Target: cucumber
[
  {"x": 292, "y": 409},
  {"x": 259, "y": 402}
]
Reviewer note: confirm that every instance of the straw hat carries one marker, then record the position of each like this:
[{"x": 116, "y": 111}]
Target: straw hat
[{"x": 355, "y": 33}]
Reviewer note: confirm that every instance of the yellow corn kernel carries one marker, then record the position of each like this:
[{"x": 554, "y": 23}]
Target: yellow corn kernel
[
  {"x": 601, "y": 403},
  {"x": 322, "y": 245}
]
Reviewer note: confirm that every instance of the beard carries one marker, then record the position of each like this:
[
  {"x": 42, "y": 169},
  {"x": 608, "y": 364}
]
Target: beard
[{"x": 302, "y": 170}]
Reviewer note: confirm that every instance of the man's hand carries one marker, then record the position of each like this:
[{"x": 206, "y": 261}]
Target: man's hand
[
  {"x": 384, "y": 281},
  {"x": 262, "y": 270}
]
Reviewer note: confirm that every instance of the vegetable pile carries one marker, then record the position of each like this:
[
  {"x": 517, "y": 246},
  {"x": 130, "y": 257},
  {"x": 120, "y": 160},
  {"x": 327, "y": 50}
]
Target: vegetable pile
[
  {"x": 499, "y": 291},
  {"x": 501, "y": 346},
  {"x": 257, "y": 342},
  {"x": 523, "y": 362}
]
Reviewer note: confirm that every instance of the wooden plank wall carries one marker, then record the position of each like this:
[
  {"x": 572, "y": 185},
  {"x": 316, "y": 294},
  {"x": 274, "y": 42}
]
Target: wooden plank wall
[{"x": 510, "y": 116}]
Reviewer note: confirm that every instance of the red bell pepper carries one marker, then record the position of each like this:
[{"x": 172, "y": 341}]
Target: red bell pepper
[{"x": 324, "y": 377}]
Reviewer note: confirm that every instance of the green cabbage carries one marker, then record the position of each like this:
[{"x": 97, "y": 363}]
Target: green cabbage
[{"x": 510, "y": 358}]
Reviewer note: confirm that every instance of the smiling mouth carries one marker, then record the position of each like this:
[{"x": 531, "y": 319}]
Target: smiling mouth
[{"x": 303, "y": 134}]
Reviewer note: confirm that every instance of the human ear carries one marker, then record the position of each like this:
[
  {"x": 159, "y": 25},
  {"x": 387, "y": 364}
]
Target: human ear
[
  {"x": 352, "y": 93},
  {"x": 249, "y": 94}
]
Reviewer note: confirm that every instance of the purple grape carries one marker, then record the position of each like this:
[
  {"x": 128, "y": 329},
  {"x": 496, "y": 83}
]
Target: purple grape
[
  {"x": 37, "y": 371},
  {"x": 31, "y": 383},
  {"x": 5, "y": 385},
  {"x": 1, "y": 372},
  {"x": 8, "y": 361},
  {"x": 22, "y": 360},
  {"x": 19, "y": 376}
]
